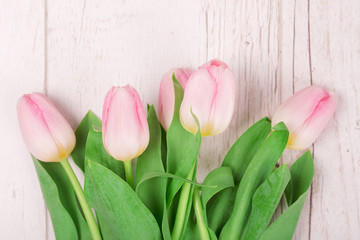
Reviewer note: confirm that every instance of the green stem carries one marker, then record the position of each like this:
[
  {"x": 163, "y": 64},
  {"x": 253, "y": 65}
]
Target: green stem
[
  {"x": 95, "y": 233},
  {"x": 129, "y": 174},
  {"x": 181, "y": 210},
  {"x": 199, "y": 213}
]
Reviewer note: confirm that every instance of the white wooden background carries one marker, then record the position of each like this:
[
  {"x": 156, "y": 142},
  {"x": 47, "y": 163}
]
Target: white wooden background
[{"x": 75, "y": 50}]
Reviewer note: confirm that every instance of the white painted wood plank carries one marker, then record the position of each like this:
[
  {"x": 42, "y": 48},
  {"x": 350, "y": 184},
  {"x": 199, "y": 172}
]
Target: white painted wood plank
[
  {"x": 22, "y": 207},
  {"x": 335, "y": 60}
]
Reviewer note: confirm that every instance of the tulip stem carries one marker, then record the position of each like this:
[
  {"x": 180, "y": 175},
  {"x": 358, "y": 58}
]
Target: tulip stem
[
  {"x": 129, "y": 174},
  {"x": 199, "y": 213},
  {"x": 181, "y": 210},
  {"x": 94, "y": 230}
]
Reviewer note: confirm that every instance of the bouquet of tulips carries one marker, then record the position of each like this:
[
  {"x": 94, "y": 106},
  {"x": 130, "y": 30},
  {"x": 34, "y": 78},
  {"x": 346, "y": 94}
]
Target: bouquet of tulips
[{"x": 164, "y": 200}]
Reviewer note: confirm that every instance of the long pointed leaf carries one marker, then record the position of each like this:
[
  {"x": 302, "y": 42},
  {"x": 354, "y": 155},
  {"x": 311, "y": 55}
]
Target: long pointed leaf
[
  {"x": 258, "y": 170},
  {"x": 81, "y": 134},
  {"x": 61, "y": 202},
  {"x": 221, "y": 177},
  {"x": 122, "y": 213},
  {"x": 182, "y": 147},
  {"x": 245, "y": 148},
  {"x": 150, "y": 161},
  {"x": 238, "y": 158},
  {"x": 264, "y": 203},
  {"x": 302, "y": 173}
]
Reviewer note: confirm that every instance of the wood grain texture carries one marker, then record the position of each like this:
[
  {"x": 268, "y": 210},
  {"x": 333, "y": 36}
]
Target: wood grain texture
[
  {"x": 22, "y": 208},
  {"x": 75, "y": 50},
  {"x": 335, "y": 60}
]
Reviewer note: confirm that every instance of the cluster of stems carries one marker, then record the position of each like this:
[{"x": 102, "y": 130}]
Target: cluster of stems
[{"x": 185, "y": 197}]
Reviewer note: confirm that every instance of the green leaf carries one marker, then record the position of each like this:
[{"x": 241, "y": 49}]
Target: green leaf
[
  {"x": 219, "y": 209},
  {"x": 122, "y": 213},
  {"x": 182, "y": 147},
  {"x": 302, "y": 173},
  {"x": 264, "y": 203},
  {"x": 61, "y": 202},
  {"x": 150, "y": 161},
  {"x": 186, "y": 161},
  {"x": 221, "y": 177},
  {"x": 258, "y": 170},
  {"x": 289, "y": 192},
  {"x": 95, "y": 151},
  {"x": 245, "y": 148},
  {"x": 238, "y": 158},
  {"x": 81, "y": 134}
]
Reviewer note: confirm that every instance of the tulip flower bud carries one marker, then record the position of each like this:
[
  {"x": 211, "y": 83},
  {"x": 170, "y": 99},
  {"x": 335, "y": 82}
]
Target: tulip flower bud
[
  {"x": 210, "y": 95},
  {"x": 166, "y": 94},
  {"x": 306, "y": 114},
  {"x": 125, "y": 130},
  {"x": 46, "y": 133}
]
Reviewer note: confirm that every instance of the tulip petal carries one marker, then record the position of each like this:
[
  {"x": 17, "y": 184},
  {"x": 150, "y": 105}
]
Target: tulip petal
[
  {"x": 224, "y": 103},
  {"x": 307, "y": 133},
  {"x": 166, "y": 99},
  {"x": 142, "y": 120},
  {"x": 182, "y": 75},
  {"x": 106, "y": 109},
  {"x": 125, "y": 129},
  {"x": 46, "y": 133},
  {"x": 59, "y": 128},
  {"x": 215, "y": 64},
  {"x": 295, "y": 110},
  {"x": 199, "y": 96}
]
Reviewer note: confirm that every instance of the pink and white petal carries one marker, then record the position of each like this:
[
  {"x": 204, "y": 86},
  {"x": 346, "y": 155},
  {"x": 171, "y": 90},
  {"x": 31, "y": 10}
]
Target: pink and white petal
[
  {"x": 106, "y": 108},
  {"x": 59, "y": 128},
  {"x": 299, "y": 107},
  {"x": 224, "y": 103},
  {"x": 307, "y": 133},
  {"x": 123, "y": 130},
  {"x": 35, "y": 132},
  {"x": 166, "y": 100},
  {"x": 199, "y": 96},
  {"x": 142, "y": 120},
  {"x": 182, "y": 75}
]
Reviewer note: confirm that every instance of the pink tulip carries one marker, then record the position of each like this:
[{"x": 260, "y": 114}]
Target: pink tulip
[
  {"x": 166, "y": 94},
  {"x": 46, "y": 133},
  {"x": 125, "y": 130},
  {"x": 210, "y": 94},
  {"x": 306, "y": 114}
]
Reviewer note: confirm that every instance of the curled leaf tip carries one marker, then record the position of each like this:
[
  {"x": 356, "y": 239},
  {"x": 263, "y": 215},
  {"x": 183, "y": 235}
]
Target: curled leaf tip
[{"x": 267, "y": 119}]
